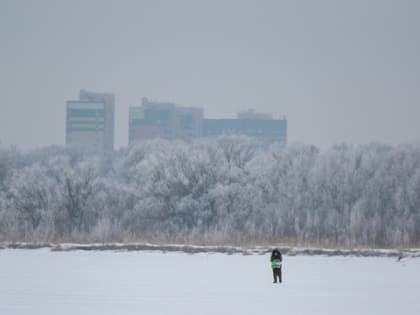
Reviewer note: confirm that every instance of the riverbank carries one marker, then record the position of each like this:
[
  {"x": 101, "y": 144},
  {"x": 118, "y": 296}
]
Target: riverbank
[{"x": 194, "y": 249}]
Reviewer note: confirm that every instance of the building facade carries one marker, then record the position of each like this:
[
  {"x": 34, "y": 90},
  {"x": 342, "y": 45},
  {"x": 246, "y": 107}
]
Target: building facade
[
  {"x": 171, "y": 122},
  {"x": 251, "y": 124},
  {"x": 90, "y": 121},
  {"x": 163, "y": 120}
]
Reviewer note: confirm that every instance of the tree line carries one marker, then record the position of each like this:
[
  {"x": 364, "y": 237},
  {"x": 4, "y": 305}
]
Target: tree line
[{"x": 226, "y": 190}]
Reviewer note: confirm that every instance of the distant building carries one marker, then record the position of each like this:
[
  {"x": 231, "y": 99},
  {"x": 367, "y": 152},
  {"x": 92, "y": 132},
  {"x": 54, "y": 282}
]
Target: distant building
[
  {"x": 250, "y": 123},
  {"x": 90, "y": 121},
  {"x": 189, "y": 123},
  {"x": 163, "y": 120},
  {"x": 251, "y": 114}
]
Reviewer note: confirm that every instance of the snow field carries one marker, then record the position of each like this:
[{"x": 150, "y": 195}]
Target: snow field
[{"x": 77, "y": 282}]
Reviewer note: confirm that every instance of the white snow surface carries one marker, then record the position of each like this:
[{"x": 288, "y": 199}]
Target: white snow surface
[{"x": 108, "y": 282}]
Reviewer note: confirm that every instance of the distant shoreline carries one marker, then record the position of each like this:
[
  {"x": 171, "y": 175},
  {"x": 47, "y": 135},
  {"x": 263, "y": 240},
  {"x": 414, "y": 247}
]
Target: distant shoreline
[{"x": 195, "y": 249}]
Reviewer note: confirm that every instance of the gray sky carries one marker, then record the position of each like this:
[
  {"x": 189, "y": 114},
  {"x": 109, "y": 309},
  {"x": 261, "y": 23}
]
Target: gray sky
[{"x": 342, "y": 71}]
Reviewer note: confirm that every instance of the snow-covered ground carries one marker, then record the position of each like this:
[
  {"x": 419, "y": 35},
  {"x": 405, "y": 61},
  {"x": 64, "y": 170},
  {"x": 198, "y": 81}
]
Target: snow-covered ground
[{"x": 77, "y": 282}]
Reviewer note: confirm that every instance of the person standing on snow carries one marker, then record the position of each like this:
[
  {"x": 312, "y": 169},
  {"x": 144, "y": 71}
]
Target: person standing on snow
[{"x": 276, "y": 260}]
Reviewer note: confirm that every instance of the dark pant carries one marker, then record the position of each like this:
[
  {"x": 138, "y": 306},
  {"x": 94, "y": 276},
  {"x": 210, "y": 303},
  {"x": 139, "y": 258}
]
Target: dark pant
[{"x": 277, "y": 274}]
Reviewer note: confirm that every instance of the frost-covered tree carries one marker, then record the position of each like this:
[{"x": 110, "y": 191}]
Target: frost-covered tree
[
  {"x": 32, "y": 197},
  {"x": 220, "y": 190}
]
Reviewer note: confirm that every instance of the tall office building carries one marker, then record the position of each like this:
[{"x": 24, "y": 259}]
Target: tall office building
[
  {"x": 90, "y": 121},
  {"x": 163, "y": 120},
  {"x": 189, "y": 123},
  {"x": 250, "y": 123}
]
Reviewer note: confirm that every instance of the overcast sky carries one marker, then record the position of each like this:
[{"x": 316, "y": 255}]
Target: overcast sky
[{"x": 341, "y": 71}]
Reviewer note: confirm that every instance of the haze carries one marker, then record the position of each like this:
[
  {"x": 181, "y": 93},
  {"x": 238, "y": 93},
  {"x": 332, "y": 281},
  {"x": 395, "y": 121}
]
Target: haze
[{"x": 341, "y": 71}]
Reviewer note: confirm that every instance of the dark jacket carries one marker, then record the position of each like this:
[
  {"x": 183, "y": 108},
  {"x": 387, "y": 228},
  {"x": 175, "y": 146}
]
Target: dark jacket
[{"x": 276, "y": 255}]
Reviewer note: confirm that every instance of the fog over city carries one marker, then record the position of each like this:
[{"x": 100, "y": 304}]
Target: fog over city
[{"x": 341, "y": 71}]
